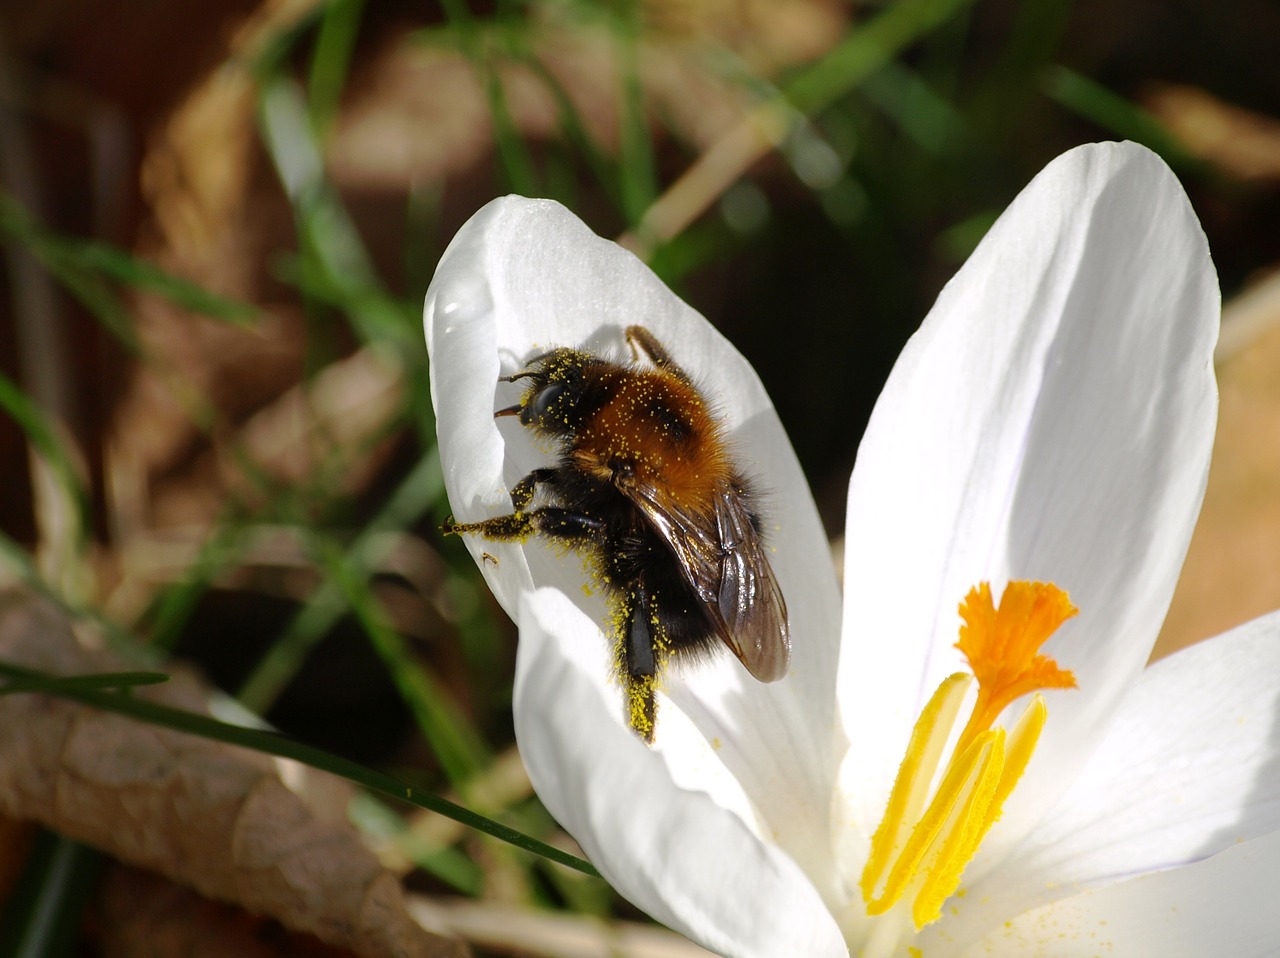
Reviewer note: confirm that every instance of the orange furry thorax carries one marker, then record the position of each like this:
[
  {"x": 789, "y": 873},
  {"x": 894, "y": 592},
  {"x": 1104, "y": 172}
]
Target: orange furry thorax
[{"x": 659, "y": 429}]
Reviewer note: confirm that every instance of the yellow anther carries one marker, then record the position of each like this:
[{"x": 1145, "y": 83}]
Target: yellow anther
[
  {"x": 953, "y": 794},
  {"x": 1017, "y": 753},
  {"x": 911, "y": 788},
  {"x": 966, "y": 824}
]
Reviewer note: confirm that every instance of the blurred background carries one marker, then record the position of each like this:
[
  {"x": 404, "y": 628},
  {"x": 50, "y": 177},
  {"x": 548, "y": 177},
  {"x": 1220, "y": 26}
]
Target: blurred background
[{"x": 220, "y": 218}]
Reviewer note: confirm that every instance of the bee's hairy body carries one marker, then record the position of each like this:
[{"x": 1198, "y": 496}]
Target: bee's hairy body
[{"x": 644, "y": 486}]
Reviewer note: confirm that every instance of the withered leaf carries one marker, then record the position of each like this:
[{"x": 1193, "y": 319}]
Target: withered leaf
[{"x": 215, "y": 817}]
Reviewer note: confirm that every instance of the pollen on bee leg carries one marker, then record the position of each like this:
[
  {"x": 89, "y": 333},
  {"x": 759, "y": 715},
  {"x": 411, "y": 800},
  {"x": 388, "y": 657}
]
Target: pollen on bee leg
[
  {"x": 928, "y": 837},
  {"x": 642, "y": 705},
  {"x": 640, "y": 653},
  {"x": 515, "y": 527}
]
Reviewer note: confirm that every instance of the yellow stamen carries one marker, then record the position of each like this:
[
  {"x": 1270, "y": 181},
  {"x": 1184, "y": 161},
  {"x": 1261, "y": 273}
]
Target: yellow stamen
[
  {"x": 983, "y": 810},
  {"x": 965, "y": 827},
  {"x": 1017, "y": 753},
  {"x": 911, "y": 788},
  {"x": 958, "y": 786},
  {"x": 926, "y": 843}
]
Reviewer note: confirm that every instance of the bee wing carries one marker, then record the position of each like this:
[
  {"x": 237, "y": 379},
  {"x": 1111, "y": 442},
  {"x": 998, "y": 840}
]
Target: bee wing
[
  {"x": 723, "y": 558},
  {"x": 750, "y": 611}
]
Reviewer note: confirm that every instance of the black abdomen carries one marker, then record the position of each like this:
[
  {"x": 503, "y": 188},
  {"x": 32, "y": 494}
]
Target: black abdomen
[{"x": 640, "y": 570}]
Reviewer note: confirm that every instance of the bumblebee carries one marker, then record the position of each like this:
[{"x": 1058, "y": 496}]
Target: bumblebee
[{"x": 646, "y": 489}]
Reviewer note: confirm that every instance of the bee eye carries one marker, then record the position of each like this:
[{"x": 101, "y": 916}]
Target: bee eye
[{"x": 543, "y": 400}]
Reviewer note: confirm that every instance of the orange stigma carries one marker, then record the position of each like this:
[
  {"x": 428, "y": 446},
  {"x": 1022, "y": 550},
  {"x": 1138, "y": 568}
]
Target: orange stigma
[{"x": 1003, "y": 646}]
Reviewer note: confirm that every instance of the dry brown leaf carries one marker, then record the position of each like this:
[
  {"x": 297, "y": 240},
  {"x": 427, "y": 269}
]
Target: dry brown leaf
[
  {"x": 202, "y": 182},
  {"x": 421, "y": 113},
  {"x": 213, "y": 215},
  {"x": 1240, "y": 142},
  {"x": 214, "y": 817},
  {"x": 765, "y": 34},
  {"x": 140, "y": 913},
  {"x": 335, "y": 424}
]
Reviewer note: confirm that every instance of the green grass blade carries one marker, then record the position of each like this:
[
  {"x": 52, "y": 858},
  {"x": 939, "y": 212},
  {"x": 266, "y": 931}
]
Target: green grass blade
[
  {"x": 81, "y": 264},
  {"x": 575, "y": 133},
  {"x": 378, "y": 820},
  {"x": 334, "y": 256},
  {"x": 331, "y": 59},
  {"x": 516, "y": 159},
  {"x": 637, "y": 173},
  {"x": 867, "y": 48},
  {"x": 1113, "y": 112},
  {"x": 168, "y": 613},
  {"x": 119, "y": 265},
  {"x": 43, "y": 436},
  {"x": 420, "y": 491},
  {"x": 44, "y": 911},
  {"x": 277, "y": 668},
  {"x": 57, "y": 684},
  {"x": 460, "y": 750},
  {"x": 927, "y": 118}
]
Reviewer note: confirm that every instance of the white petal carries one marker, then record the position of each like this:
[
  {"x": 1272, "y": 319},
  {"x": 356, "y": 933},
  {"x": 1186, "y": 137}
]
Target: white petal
[
  {"x": 677, "y": 854},
  {"x": 524, "y": 276},
  {"x": 1052, "y": 419},
  {"x": 1189, "y": 767},
  {"x": 1223, "y": 906}
]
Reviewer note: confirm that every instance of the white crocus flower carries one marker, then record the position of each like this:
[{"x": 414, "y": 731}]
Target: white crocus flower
[{"x": 1051, "y": 421}]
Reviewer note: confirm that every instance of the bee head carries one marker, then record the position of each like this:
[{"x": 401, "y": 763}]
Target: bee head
[{"x": 556, "y": 383}]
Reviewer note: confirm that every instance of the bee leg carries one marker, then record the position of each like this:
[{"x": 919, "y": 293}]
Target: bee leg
[
  {"x": 560, "y": 524},
  {"x": 518, "y": 525},
  {"x": 642, "y": 341},
  {"x": 565, "y": 525},
  {"x": 522, "y": 492},
  {"x": 511, "y": 528},
  {"x": 640, "y": 664}
]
